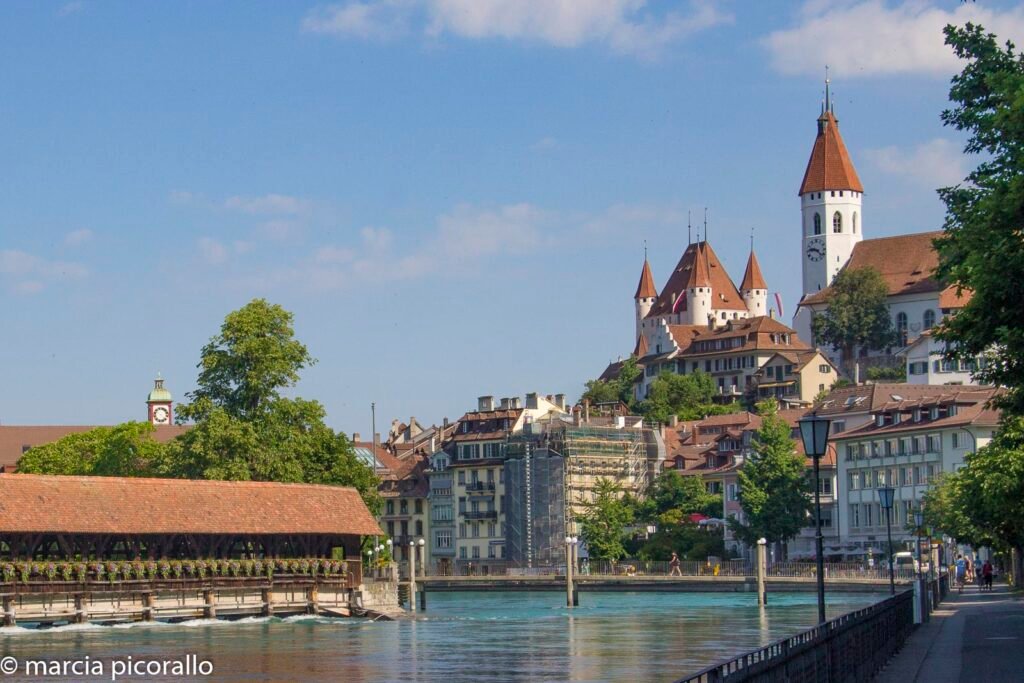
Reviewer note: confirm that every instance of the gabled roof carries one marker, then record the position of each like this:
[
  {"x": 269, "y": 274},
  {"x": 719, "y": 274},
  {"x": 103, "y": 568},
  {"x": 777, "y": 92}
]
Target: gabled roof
[
  {"x": 907, "y": 263},
  {"x": 829, "y": 167},
  {"x": 645, "y": 289},
  {"x": 683, "y": 335},
  {"x": 641, "y": 348},
  {"x": 698, "y": 266},
  {"x": 752, "y": 277},
  {"x": 119, "y": 505}
]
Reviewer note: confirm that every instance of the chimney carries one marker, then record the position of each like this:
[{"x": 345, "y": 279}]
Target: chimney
[
  {"x": 445, "y": 422},
  {"x": 673, "y": 421},
  {"x": 412, "y": 423},
  {"x": 516, "y": 405},
  {"x": 355, "y": 437},
  {"x": 531, "y": 400},
  {"x": 506, "y": 404},
  {"x": 485, "y": 403},
  {"x": 433, "y": 444},
  {"x": 376, "y": 439},
  {"x": 586, "y": 411},
  {"x": 560, "y": 401}
]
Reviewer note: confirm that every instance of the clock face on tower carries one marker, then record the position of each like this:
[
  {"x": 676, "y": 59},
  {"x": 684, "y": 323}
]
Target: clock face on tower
[
  {"x": 161, "y": 415},
  {"x": 816, "y": 249}
]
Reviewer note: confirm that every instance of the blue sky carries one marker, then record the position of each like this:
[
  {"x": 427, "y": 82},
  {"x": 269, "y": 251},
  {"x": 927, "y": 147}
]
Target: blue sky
[{"x": 451, "y": 195}]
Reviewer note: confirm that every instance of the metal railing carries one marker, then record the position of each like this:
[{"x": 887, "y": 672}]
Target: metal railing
[
  {"x": 852, "y": 647},
  {"x": 700, "y": 568}
]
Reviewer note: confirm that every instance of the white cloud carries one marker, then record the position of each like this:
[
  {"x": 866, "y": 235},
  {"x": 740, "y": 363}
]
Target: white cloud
[
  {"x": 69, "y": 8},
  {"x": 876, "y": 38},
  {"x": 28, "y": 273},
  {"x": 212, "y": 251},
  {"x": 545, "y": 144},
  {"x": 78, "y": 237},
  {"x": 934, "y": 164},
  {"x": 625, "y": 26},
  {"x": 268, "y": 204}
]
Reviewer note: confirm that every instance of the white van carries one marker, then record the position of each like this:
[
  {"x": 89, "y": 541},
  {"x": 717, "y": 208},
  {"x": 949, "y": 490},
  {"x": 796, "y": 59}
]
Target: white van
[{"x": 905, "y": 560}]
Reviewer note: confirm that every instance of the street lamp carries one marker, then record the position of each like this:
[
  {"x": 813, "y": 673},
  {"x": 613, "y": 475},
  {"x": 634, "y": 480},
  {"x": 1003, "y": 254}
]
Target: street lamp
[
  {"x": 885, "y": 499},
  {"x": 423, "y": 557},
  {"x": 570, "y": 544},
  {"x": 814, "y": 434},
  {"x": 412, "y": 575},
  {"x": 918, "y": 523}
]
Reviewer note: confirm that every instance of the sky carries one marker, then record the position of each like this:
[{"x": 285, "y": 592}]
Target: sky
[{"x": 451, "y": 196}]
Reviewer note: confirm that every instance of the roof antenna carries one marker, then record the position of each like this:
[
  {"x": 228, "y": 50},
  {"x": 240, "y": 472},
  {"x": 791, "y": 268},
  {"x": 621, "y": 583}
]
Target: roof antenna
[
  {"x": 705, "y": 224},
  {"x": 751, "y": 240},
  {"x": 645, "y": 250},
  {"x": 689, "y": 228},
  {"x": 828, "y": 99}
]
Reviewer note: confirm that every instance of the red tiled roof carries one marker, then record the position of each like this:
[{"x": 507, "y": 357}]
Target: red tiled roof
[
  {"x": 907, "y": 263},
  {"x": 829, "y": 167},
  {"x": 641, "y": 348},
  {"x": 756, "y": 333},
  {"x": 698, "y": 263},
  {"x": 14, "y": 439},
  {"x": 683, "y": 335},
  {"x": 752, "y": 277},
  {"x": 117, "y": 505},
  {"x": 645, "y": 289}
]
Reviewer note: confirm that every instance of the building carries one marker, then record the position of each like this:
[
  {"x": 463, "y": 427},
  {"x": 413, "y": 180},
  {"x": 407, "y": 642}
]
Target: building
[
  {"x": 832, "y": 230},
  {"x": 16, "y": 440},
  {"x": 925, "y": 363},
  {"x": 909, "y": 439},
  {"x": 752, "y": 357}
]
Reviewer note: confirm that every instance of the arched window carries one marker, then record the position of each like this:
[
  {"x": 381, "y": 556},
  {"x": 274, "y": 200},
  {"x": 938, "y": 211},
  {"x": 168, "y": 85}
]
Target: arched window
[
  {"x": 901, "y": 327},
  {"x": 854, "y": 222},
  {"x": 929, "y": 319},
  {"x": 837, "y": 222},
  {"x": 817, "y": 223}
]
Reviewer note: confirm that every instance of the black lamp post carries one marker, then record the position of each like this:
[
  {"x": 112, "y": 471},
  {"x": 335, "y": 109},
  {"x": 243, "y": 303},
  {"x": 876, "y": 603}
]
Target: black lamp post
[
  {"x": 885, "y": 499},
  {"x": 814, "y": 434},
  {"x": 918, "y": 523}
]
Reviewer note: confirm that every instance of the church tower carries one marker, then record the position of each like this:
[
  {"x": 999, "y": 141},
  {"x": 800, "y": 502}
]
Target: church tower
[
  {"x": 830, "y": 204},
  {"x": 160, "y": 404},
  {"x": 754, "y": 289},
  {"x": 645, "y": 296}
]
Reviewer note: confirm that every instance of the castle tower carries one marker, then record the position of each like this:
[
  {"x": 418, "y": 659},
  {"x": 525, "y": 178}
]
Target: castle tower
[
  {"x": 754, "y": 289},
  {"x": 830, "y": 204},
  {"x": 645, "y": 296},
  {"x": 160, "y": 403},
  {"x": 698, "y": 289}
]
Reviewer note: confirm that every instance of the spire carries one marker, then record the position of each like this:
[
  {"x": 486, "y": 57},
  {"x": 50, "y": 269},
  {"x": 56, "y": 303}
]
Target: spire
[
  {"x": 645, "y": 289},
  {"x": 829, "y": 167},
  {"x": 700, "y": 274},
  {"x": 752, "y": 277}
]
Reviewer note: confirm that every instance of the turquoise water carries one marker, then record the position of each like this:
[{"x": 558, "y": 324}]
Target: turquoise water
[{"x": 461, "y": 637}]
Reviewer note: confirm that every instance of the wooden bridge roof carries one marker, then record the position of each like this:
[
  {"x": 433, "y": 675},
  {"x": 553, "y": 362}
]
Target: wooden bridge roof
[{"x": 133, "y": 506}]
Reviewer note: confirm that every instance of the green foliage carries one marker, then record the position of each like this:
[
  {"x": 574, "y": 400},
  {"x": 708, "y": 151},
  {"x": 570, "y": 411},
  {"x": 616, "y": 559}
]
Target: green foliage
[
  {"x": 774, "y": 491},
  {"x": 688, "y": 397},
  {"x": 687, "y": 539},
  {"x": 125, "y": 450},
  {"x": 619, "y": 389},
  {"x": 857, "y": 314},
  {"x": 894, "y": 374},
  {"x": 982, "y": 248},
  {"x": 604, "y": 522},
  {"x": 673, "y": 497},
  {"x": 243, "y": 369}
]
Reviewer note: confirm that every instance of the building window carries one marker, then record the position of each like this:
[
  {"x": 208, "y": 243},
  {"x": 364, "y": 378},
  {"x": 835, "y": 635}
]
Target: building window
[
  {"x": 956, "y": 440},
  {"x": 476, "y": 552},
  {"x": 462, "y": 553},
  {"x": 443, "y": 539},
  {"x": 490, "y": 552},
  {"x": 855, "y": 515},
  {"x": 837, "y": 222},
  {"x": 403, "y": 507},
  {"x": 462, "y": 476},
  {"x": 462, "y": 530},
  {"x": 901, "y": 327},
  {"x": 390, "y": 507},
  {"x": 929, "y": 319},
  {"x": 419, "y": 527},
  {"x": 817, "y": 223},
  {"x": 419, "y": 506}
]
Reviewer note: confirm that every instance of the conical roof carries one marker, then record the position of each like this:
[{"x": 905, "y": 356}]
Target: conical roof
[
  {"x": 829, "y": 167},
  {"x": 752, "y": 277},
  {"x": 645, "y": 289},
  {"x": 698, "y": 267}
]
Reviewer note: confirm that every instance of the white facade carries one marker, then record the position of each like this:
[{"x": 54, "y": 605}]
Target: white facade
[
  {"x": 925, "y": 364},
  {"x": 831, "y": 226},
  {"x": 643, "y": 307}
]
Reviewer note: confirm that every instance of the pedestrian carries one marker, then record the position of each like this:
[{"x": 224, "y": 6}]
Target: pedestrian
[
  {"x": 961, "y": 572},
  {"x": 674, "y": 564},
  {"x": 986, "y": 573}
]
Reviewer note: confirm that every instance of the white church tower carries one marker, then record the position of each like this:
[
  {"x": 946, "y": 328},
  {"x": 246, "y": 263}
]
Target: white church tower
[{"x": 830, "y": 203}]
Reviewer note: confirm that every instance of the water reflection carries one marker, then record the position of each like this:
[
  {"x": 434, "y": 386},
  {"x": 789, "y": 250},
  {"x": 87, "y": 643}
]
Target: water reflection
[{"x": 464, "y": 637}]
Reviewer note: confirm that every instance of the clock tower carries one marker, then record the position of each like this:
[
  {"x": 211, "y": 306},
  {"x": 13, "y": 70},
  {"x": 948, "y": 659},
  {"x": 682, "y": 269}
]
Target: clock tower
[
  {"x": 830, "y": 204},
  {"x": 160, "y": 404}
]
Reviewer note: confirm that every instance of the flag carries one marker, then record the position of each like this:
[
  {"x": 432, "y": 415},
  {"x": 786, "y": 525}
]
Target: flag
[
  {"x": 680, "y": 303},
  {"x": 778, "y": 304}
]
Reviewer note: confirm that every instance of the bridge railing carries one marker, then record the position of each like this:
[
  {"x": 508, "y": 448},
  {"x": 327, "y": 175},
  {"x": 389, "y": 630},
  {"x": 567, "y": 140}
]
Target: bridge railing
[
  {"x": 852, "y": 647},
  {"x": 740, "y": 568}
]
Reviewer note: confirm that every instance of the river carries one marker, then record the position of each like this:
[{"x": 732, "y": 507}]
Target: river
[{"x": 461, "y": 637}]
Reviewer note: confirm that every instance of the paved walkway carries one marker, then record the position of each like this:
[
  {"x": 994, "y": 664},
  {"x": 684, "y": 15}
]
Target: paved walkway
[{"x": 974, "y": 636}]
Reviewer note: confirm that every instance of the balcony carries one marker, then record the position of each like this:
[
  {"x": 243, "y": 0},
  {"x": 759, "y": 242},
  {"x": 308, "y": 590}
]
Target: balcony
[
  {"x": 484, "y": 487},
  {"x": 480, "y": 514}
]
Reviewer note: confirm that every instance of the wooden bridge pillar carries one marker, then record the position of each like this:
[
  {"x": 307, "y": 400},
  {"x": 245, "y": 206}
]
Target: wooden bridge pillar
[
  {"x": 313, "y": 598},
  {"x": 9, "y": 619},
  {"x": 268, "y": 602},
  {"x": 81, "y": 609},
  {"x": 147, "y": 607},
  {"x": 210, "y": 600}
]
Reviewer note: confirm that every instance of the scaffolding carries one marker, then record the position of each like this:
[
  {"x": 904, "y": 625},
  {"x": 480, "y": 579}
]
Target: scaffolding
[{"x": 535, "y": 505}]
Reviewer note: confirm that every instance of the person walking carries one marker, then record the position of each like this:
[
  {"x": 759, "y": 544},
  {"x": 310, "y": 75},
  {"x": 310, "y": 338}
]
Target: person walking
[
  {"x": 986, "y": 574},
  {"x": 674, "y": 564},
  {"x": 961, "y": 572}
]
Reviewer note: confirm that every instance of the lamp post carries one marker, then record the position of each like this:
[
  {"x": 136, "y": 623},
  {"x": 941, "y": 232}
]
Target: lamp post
[
  {"x": 423, "y": 557},
  {"x": 814, "y": 434},
  {"x": 886, "y": 494},
  {"x": 918, "y": 523},
  {"x": 412, "y": 575},
  {"x": 568, "y": 570}
]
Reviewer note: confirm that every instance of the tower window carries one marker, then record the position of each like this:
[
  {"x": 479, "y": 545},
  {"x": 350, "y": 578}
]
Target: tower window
[
  {"x": 840, "y": 193},
  {"x": 929, "y": 319},
  {"x": 854, "y": 222},
  {"x": 837, "y": 222},
  {"x": 832, "y": 192},
  {"x": 817, "y": 223}
]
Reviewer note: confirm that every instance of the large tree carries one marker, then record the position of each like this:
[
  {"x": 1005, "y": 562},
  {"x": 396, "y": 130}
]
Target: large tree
[
  {"x": 773, "y": 488},
  {"x": 982, "y": 248},
  {"x": 125, "y": 450},
  {"x": 604, "y": 522},
  {"x": 688, "y": 397},
  {"x": 673, "y": 497},
  {"x": 619, "y": 389},
  {"x": 857, "y": 315}
]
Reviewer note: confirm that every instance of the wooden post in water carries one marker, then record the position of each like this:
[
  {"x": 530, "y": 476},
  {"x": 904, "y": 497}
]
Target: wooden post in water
[
  {"x": 8, "y": 604},
  {"x": 568, "y": 571},
  {"x": 762, "y": 559},
  {"x": 412, "y": 576}
]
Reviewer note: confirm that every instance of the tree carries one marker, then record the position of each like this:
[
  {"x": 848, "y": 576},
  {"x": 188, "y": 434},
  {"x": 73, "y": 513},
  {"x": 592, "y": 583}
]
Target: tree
[
  {"x": 673, "y": 498},
  {"x": 125, "y": 450},
  {"x": 244, "y": 368},
  {"x": 774, "y": 491},
  {"x": 620, "y": 389},
  {"x": 981, "y": 250},
  {"x": 688, "y": 397},
  {"x": 946, "y": 509},
  {"x": 857, "y": 315},
  {"x": 604, "y": 522}
]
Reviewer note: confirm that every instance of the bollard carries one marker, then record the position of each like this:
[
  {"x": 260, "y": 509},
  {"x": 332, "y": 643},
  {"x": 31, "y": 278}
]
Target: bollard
[{"x": 762, "y": 587}]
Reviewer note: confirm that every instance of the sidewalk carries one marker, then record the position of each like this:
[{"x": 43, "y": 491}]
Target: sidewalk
[{"x": 973, "y": 636}]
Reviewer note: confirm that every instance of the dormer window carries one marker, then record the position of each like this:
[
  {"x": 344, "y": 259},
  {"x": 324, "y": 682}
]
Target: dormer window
[{"x": 917, "y": 414}]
